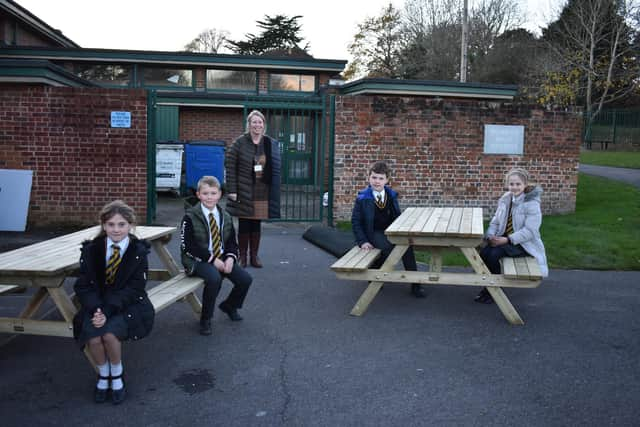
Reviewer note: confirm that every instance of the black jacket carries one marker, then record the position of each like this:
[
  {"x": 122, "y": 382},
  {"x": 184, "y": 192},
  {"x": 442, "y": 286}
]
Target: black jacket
[{"x": 126, "y": 295}]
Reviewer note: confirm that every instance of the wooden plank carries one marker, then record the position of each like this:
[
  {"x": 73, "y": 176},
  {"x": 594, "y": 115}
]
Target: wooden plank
[
  {"x": 477, "y": 228},
  {"x": 195, "y": 304},
  {"x": 467, "y": 222},
  {"x": 534, "y": 268},
  {"x": 369, "y": 258},
  {"x": 475, "y": 261},
  {"x": 437, "y": 278},
  {"x": 374, "y": 287},
  {"x": 443, "y": 221},
  {"x": 395, "y": 225},
  {"x": 454, "y": 223},
  {"x": 158, "y": 275},
  {"x": 8, "y": 288},
  {"x": 165, "y": 257},
  {"x": 346, "y": 259},
  {"x": 505, "y": 306},
  {"x": 34, "y": 304},
  {"x": 430, "y": 225},
  {"x": 63, "y": 302},
  {"x": 411, "y": 219},
  {"x": 422, "y": 220},
  {"x": 521, "y": 267},
  {"x": 168, "y": 292},
  {"x": 508, "y": 268},
  {"x": 36, "y": 327}
]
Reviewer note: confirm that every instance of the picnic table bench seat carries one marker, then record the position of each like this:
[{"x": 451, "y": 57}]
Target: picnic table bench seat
[
  {"x": 8, "y": 288},
  {"x": 356, "y": 260},
  {"x": 172, "y": 290},
  {"x": 521, "y": 268}
]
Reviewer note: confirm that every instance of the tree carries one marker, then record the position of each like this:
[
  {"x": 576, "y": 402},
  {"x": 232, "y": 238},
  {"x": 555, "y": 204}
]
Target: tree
[
  {"x": 208, "y": 41},
  {"x": 376, "y": 46},
  {"x": 595, "y": 43},
  {"x": 278, "y": 32}
]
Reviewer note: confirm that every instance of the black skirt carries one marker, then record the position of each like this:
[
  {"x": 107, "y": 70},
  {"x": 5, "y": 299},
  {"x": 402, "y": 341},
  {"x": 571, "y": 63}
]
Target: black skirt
[{"x": 115, "y": 324}]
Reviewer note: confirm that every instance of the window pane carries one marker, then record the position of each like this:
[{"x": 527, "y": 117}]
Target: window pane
[
  {"x": 107, "y": 74},
  {"x": 166, "y": 77},
  {"x": 292, "y": 82},
  {"x": 230, "y": 79}
]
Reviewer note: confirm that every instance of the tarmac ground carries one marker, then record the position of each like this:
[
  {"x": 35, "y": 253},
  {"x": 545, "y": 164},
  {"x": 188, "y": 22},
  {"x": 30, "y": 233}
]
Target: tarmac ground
[{"x": 299, "y": 359}]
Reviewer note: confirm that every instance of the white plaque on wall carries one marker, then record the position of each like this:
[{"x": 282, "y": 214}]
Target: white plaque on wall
[{"x": 503, "y": 139}]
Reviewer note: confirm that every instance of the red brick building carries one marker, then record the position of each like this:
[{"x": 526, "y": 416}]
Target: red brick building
[{"x": 56, "y": 100}]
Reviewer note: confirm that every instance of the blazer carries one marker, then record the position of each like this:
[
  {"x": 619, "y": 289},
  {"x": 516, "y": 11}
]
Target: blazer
[
  {"x": 363, "y": 213},
  {"x": 194, "y": 237},
  {"x": 126, "y": 295},
  {"x": 527, "y": 218}
]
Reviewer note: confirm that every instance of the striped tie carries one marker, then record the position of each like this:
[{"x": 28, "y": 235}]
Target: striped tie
[
  {"x": 509, "y": 228},
  {"x": 112, "y": 265},
  {"x": 215, "y": 237}
]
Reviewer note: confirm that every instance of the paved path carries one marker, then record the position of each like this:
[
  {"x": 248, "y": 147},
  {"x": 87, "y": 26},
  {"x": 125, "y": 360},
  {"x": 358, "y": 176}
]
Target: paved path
[
  {"x": 630, "y": 176},
  {"x": 299, "y": 359}
]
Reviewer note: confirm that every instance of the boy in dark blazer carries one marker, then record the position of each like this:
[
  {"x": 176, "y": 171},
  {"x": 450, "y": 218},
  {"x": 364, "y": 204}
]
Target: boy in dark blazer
[
  {"x": 210, "y": 251},
  {"x": 376, "y": 207}
]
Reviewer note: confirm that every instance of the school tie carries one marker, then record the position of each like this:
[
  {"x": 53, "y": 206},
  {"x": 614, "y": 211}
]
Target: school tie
[
  {"x": 112, "y": 265},
  {"x": 379, "y": 202},
  {"x": 215, "y": 237},
  {"x": 509, "y": 228}
]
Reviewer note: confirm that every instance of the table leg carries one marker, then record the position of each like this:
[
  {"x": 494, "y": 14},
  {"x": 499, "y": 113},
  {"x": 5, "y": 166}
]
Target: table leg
[
  {"x": 374, "y": 287},
  {"x": 498, "y": 295},
  {"x": 435, "y": 264},
  {"x": 165, "y": 257},
  {"x": 195, "y": 304},
  {"x": 34, "y": 303}
]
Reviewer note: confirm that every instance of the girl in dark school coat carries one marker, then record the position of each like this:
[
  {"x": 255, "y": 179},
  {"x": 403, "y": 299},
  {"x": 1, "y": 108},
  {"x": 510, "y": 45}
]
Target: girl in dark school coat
[{"x": 114, "y": 304}]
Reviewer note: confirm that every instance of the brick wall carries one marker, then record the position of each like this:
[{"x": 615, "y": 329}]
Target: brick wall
[
  {"x": 211, "y": 123},
  {"x": 79, "y": 161},
  {"x": 435, "y": 149}
]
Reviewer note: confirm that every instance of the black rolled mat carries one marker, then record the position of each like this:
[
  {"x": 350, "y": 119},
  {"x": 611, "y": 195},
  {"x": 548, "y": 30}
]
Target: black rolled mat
[{"x": 331, "y": 240}]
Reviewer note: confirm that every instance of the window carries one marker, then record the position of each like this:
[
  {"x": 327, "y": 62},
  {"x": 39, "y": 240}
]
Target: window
[
  {"x": 104, "y": 74},
  {"x": 166, "y": 77},
  {"x": 231, "y": 80},
  {"x": 292, "y": 82}
]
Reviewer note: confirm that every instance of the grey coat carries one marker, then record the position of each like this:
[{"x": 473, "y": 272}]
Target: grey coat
[{"x": 527, "y": 218}]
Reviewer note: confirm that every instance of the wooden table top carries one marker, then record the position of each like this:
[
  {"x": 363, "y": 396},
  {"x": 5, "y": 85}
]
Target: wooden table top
[
  {"x": 62, "y": 253},
  {"x": 438, "y": 222}
]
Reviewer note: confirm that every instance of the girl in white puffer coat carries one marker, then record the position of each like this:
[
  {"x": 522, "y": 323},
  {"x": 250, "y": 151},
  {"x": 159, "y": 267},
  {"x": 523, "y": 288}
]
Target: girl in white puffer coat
[{"x": 514, "y": 230}]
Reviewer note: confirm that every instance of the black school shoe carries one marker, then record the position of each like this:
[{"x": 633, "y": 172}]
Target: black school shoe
[
  {"x": 117, "y": 396},
  {"x": 418, "y": 291},
  {"x": 205, "y": 327},
  {"x": 484, "y": 297},
  {"x": 231, "y": 312},
  {"x": 100, "y": 395}
]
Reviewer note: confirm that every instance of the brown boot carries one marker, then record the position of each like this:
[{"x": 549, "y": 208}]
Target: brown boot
[
  {"x": 255, "y": 245},
  {"x": 243, "y": 244}
]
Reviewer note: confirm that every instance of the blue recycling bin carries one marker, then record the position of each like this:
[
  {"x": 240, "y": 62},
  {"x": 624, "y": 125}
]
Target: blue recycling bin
[{"x": 203, "y": 158}]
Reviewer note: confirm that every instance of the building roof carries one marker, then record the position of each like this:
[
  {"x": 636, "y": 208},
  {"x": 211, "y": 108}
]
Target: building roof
[
  {"x": 38, "y": 71},
  {"x": 36, "y": 24},
  {"x": 376, "y": 86},
  {"x": 175, "y": 58}
]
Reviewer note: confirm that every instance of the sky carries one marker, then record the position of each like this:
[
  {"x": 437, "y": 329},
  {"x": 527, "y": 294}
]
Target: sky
[{"x": 328, "y": 25}]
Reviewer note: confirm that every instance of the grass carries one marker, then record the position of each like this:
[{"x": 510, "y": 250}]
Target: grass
[
  {"x": 621, "y": 159},
  {"x": 603, "y": 233}
]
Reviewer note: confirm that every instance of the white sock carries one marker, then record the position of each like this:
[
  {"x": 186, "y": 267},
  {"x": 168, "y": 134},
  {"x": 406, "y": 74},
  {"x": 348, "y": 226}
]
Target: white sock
[
  {"x": 103, "y": 370},
  {"x": 116, "y": 369}
]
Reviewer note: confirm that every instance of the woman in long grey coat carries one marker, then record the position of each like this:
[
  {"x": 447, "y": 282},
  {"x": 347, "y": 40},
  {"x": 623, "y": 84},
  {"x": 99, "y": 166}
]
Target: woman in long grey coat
[
  {"x": 252, "y": 174},
  {"x": 514, "y": 230}
]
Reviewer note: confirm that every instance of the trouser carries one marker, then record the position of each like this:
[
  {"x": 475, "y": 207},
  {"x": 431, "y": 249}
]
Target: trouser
[
  {"x": 491, "y": 255},
  {"x": 248, "y": 226},
  {"x": 213, "y": 279},
  {"x": 381, "y": 242}
]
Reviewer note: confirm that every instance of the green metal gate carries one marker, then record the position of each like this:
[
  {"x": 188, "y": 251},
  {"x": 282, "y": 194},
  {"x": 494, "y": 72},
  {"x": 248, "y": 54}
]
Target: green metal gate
[{"x": 300, "y": 127}]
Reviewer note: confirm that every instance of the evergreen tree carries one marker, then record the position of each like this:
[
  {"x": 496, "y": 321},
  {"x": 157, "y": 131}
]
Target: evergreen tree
[{"x": 278, "y": 32}]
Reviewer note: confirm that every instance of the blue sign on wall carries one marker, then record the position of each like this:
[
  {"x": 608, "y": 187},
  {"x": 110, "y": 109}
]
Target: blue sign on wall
[{"x": 120, "y": 119}]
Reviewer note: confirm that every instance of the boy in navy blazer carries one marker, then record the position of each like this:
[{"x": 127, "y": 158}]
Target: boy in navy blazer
[{"x": 376, "y": 207}]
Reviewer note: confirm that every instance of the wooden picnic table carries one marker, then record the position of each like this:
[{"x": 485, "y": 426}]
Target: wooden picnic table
[
  {"x": 436, "y": 229},
  {"x": 47, "y": 264}
]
